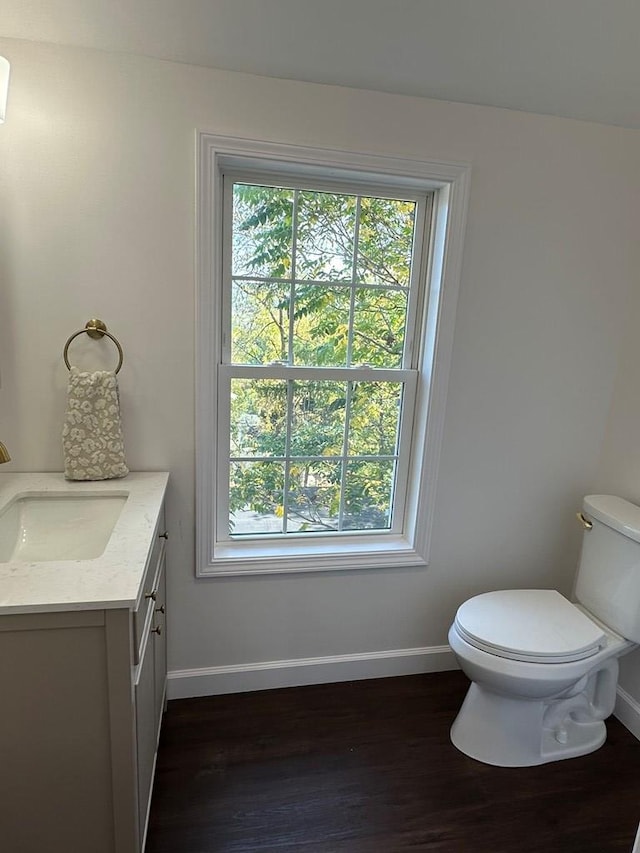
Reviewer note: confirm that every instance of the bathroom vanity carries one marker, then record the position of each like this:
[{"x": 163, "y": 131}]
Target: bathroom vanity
[{"x": 82, "y": 660}]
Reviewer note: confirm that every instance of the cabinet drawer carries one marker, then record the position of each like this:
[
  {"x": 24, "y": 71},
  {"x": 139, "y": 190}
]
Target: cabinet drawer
[
  {"x": 160, "y": 645},
  {"x": 149, "y": 590}
]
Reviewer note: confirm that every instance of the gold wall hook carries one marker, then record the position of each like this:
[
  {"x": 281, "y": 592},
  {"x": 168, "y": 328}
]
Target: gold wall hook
[{"x": 95, "y": 328}]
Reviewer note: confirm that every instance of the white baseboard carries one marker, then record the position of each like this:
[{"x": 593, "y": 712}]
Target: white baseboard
[
  {"x": 266, "y": 675},
  {"x": 627, "y": 710}
]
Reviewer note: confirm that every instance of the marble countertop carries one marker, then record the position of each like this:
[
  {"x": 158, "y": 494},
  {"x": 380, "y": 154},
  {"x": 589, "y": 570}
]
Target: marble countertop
[{"x": 111, "y": 580}]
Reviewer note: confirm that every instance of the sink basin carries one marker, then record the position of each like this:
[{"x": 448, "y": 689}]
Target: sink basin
[{"x": 38, "y": 528}]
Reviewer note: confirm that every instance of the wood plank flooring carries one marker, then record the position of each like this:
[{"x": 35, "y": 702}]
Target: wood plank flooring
[{"x": 367, "y": 767}]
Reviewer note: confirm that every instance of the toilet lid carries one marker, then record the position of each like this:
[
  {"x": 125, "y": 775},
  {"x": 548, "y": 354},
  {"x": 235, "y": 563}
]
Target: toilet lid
[{"x": 537, "y": 625}]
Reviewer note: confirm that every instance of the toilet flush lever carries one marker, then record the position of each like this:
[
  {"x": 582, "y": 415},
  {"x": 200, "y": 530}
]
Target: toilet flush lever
[{"x": 584, "y": 521}]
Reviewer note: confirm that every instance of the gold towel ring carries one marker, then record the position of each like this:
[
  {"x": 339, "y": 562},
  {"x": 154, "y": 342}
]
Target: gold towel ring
[{"x": 95, "y": 329}]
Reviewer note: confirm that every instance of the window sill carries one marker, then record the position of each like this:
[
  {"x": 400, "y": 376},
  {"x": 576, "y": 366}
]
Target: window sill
[{"x": 279, "y": 557}]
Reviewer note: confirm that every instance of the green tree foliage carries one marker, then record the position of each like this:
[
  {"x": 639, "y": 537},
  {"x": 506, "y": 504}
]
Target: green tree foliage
[{"x": 319, "y": 279}]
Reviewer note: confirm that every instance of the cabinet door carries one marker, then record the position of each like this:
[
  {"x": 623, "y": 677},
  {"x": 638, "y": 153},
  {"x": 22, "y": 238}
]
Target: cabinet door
[
  {"x": 146, "y": 731},
  {"x": 160, "y": 646}
]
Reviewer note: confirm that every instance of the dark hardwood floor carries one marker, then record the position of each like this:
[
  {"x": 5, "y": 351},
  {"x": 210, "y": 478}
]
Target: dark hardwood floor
[{"x": 367, "y": 767}]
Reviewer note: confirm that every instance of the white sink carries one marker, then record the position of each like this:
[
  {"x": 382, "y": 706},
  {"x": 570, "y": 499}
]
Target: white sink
[{"x": 38, "y": 528}]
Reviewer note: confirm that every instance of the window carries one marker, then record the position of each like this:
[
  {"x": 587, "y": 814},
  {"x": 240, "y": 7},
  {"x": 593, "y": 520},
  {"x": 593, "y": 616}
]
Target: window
[
  {"x": 321, "y": 288},
  {"x": 317, "y": 361}
]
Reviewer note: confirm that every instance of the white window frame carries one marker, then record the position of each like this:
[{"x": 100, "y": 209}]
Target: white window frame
[{"x": 441, "y": 265}]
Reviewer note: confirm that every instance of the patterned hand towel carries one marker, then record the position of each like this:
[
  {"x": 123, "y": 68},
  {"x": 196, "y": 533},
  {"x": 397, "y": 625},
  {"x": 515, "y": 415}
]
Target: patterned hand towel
[{"x": 92, "y": 433}]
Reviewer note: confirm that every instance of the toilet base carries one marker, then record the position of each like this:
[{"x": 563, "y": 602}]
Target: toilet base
[{"x": 509, "y": 732}]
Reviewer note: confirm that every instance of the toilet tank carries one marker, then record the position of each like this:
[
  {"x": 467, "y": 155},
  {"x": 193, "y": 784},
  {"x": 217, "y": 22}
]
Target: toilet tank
[{"x": 608, "y": 578}]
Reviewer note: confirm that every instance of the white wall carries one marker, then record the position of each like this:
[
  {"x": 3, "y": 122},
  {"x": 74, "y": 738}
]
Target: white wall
[
  {"x": 619, "y": 465},
  {"x": 97, "y": 219}
]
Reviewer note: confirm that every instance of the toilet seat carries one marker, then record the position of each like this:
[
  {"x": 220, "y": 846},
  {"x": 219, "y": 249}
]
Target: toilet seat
[{"x": 533, "y": 625}]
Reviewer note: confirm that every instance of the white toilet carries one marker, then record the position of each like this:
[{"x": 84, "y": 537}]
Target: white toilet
[{"x": 543, "y": 669}]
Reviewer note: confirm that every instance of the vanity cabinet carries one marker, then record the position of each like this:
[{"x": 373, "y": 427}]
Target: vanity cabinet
[{"x": 82, "y": 694}]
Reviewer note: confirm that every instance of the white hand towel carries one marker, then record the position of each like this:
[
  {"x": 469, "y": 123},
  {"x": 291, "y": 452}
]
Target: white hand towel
[{"x": 92, "y": 433}]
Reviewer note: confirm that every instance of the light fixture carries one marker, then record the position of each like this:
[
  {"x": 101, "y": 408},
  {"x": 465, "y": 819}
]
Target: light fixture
[{"x": 4, "y": 86}]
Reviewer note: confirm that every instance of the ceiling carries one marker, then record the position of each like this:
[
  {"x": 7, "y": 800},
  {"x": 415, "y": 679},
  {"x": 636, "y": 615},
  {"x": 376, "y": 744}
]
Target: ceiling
[{"x": 573, "y": 58}]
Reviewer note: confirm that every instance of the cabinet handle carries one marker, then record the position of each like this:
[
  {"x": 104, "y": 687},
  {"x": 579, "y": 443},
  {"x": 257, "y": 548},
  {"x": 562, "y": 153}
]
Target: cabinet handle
[
  {"x": 152, "y": 595},
  {"x": 160, "y": 609},
  {"x": 164, "y": 535},
  {"x": 157, "y": 630}
]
